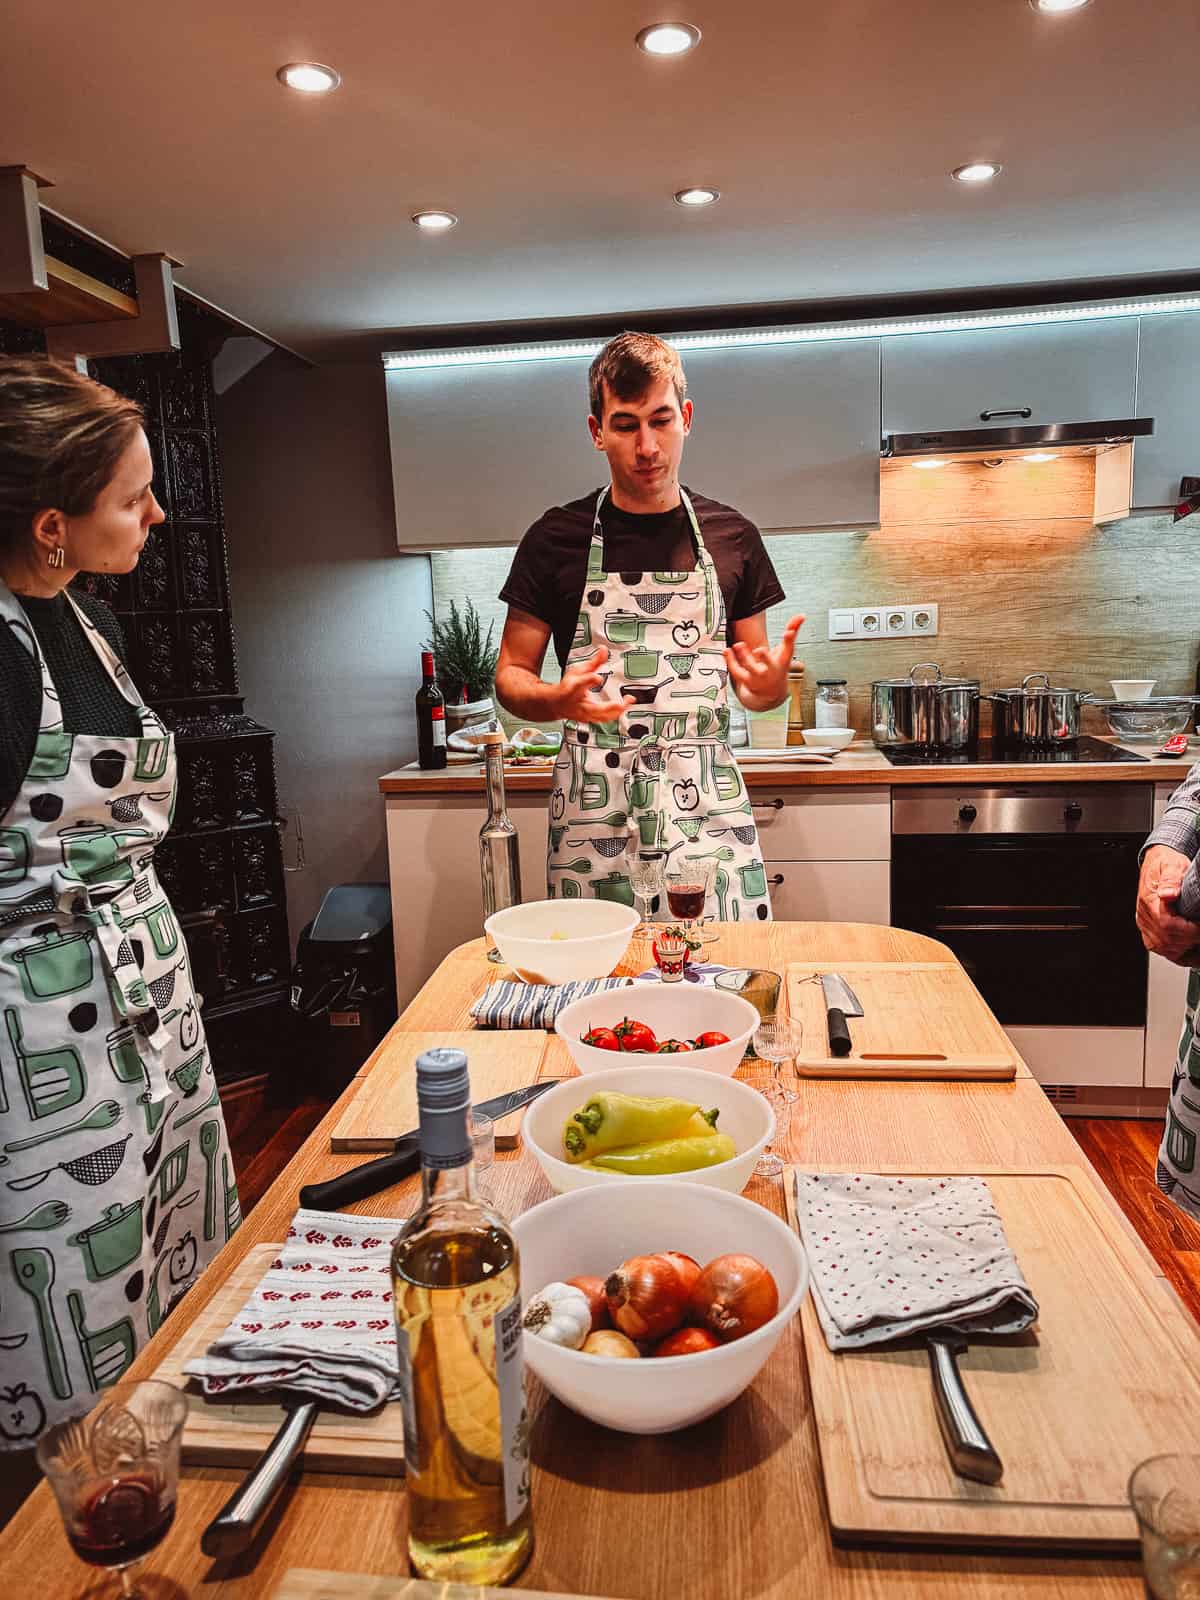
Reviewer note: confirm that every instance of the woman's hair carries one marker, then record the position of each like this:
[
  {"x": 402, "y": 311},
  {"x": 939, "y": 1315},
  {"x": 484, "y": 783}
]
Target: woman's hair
[
  {"x": 628, "y": 365},
  {"x": 61, "y": 436}
]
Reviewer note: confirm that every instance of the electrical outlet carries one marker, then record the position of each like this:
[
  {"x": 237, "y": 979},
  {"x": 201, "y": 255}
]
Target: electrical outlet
[
  {"x": 924, "y": 619},
  {"x": 868, "y": 623},
  {"x": 897, "y": 620}
]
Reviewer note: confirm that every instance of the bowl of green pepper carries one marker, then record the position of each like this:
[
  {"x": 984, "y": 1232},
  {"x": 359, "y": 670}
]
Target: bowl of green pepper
[{"x": 649, "y": 1121}]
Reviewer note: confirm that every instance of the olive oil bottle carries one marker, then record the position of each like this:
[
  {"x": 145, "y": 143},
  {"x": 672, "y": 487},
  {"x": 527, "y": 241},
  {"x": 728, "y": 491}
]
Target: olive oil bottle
[{"x": 456, "y": 1286}]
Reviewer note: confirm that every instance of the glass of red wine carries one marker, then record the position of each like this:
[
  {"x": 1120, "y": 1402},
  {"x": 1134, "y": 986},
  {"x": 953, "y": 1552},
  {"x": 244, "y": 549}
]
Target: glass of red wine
[
  {"x": 689, "y": 885},
  {"x": 115, "y": 1474}
]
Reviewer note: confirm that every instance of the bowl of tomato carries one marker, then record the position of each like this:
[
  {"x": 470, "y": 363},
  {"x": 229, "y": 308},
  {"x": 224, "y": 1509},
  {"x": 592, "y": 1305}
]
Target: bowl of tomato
[{"x": 690, "y": 1024}]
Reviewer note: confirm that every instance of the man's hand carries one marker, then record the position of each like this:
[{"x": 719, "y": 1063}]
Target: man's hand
[
  {"x": 758, "y": 673},
  {"x": 1163, "y": 932},
  {"x": 576, "y": 701}
]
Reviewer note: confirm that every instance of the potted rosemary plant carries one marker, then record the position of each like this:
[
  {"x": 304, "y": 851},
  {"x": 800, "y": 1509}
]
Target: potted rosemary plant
[{"x": 466, "y": 661}]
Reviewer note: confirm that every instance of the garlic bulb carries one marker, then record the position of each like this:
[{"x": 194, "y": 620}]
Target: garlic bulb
[{"x": 561, "y": 1314}]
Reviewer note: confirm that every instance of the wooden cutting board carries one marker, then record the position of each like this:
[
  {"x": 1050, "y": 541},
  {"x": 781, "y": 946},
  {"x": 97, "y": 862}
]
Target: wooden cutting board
[
  {"x": 385, "y": 1100},
  {"x": 303, "y": 1583},
  {"x": 1108, "y": 1375},
  {"x": 923, "y": 1020},
  {"x": 221, "y": 1432}
]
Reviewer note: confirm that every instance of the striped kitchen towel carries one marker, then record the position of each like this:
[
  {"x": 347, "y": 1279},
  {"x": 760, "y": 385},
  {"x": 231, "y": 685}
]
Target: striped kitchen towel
[{"x": 533, "y": 1005}]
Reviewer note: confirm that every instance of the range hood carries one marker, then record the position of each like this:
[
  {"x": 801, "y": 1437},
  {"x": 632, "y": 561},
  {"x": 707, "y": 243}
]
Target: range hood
[{"x": 1046, "y": 435}]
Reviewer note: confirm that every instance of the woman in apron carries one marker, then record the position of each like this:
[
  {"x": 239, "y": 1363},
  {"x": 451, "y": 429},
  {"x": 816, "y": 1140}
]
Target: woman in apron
[
  {"x": 664, "y": 768},
  {"x": 116, "y": 1183}
]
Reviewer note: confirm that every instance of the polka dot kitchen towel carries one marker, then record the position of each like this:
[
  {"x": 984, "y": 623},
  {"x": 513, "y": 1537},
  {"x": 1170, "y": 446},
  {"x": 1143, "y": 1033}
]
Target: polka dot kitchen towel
[{"x": 892, "y": 1257}]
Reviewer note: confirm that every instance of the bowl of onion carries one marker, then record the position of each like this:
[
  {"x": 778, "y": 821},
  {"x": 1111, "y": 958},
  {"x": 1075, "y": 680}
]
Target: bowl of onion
[
  {"x": 742, "y": 1113},
  {"x": 683, "y": 1014},
  {"x": 696, "y": 1271}
]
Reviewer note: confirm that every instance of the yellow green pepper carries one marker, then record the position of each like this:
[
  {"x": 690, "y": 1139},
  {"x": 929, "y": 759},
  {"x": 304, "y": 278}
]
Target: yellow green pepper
[
  {"x": 610, "y": 1121},
  {"x": 667, "y": 1155}
]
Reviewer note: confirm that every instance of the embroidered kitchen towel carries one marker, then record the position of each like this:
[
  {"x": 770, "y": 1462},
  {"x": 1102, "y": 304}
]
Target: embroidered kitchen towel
[
  {"x": 321, "y": 1319},
  {"x": 893, "y": 1256},
  {"x": 508, "y": 1004}
]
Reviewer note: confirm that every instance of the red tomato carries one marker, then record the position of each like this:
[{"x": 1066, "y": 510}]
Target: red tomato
[
  {"x": 635, "y": 1036},
  {"x": 670, "y": 1047},
  {"x": 601, "y": 1039},
  {"x": 705, "y": 1041}
]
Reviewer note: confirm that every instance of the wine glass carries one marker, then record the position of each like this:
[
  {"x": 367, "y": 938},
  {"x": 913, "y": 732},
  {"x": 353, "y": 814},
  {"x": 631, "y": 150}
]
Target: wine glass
[
  {"x": 645, "y": 868},
  {"x": 689, "y": 884},
  {"x": 779, "y": 1041},
  {"x": 115, "y": 1473},
  {"x": 483, "y": 1152},
  {"x": 770, "y": 1164}
]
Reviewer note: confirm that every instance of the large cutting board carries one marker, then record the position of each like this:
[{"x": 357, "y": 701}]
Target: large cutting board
[
  {"x": 923, "y": 1020},
  {"x": 221, "y": 1432},
  {"x": 304, "y": 1583},
  {"x": 1108, "y": 1375},
  {"x": 385, "y": 1100}
]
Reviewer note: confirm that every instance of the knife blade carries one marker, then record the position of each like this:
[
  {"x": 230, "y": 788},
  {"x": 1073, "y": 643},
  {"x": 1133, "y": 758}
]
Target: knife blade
[
  {"x": 371, "y": 1176},
  {"x": 840, "y": 1002}
]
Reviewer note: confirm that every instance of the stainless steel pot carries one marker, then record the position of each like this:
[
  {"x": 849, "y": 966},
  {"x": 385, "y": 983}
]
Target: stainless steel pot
[
  {"x": 1037, "y": 715},
  {"x": 934, "y": 713}
]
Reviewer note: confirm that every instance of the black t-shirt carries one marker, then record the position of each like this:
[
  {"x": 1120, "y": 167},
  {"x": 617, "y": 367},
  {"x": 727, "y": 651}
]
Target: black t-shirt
[{"x": 547, "y": 575}]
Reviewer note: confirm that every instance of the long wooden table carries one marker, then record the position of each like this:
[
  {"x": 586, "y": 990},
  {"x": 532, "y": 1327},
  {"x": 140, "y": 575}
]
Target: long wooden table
[{"x": 731, "y": 1508}]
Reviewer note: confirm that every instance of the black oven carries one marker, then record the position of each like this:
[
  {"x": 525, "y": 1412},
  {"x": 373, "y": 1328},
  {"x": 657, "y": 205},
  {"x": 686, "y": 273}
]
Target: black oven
[{"x": 1033, "y": 888}]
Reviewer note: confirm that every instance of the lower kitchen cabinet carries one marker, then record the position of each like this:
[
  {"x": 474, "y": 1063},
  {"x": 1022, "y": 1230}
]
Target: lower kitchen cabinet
[{"x": 830, "y": 891}]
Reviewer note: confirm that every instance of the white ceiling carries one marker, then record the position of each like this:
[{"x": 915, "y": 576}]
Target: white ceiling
[{"x": 830, "y": 129}]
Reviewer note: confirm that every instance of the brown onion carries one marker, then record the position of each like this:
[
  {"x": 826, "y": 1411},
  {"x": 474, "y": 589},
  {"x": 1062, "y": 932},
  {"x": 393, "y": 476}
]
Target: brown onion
[
  {"x": 687, "y": 1268},
  {"x": 608, "y": 1342},
  {"x": 734, "y": 1295},
  {"x": 646, "y": 1296},
  {"x": 593, "y": 1288},
  {"x": 687, "y": 1342}
]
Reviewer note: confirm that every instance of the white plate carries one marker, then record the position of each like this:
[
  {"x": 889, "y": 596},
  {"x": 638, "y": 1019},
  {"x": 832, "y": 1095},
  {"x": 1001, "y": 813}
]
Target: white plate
[{"x": 788, "y": 752}]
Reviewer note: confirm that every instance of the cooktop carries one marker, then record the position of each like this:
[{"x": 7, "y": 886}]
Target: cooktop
[{"x": 1084, "y": 750}]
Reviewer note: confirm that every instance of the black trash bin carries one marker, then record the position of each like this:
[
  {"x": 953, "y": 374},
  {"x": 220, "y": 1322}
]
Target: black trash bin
[{"x": 344, "y": 983}]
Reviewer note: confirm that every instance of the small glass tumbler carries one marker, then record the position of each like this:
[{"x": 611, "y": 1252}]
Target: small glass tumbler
[
  {"x": 777, "y": 1042},
  {"x": 1165, "y": 1495},
  {"x": 758, "y": 985},
  {"x": 483, "y": 1151},
  {"x": 670, "y": 956},
  {"x": 115, "y": 1474}
]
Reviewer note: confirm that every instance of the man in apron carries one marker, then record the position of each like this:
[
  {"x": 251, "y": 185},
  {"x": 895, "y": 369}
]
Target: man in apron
[
  {"x": 1168, "y": 911},
  {"x": 655, "y": 599}
]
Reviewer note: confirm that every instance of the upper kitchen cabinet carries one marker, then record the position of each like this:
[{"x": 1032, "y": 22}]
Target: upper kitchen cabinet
[
  {"x": 1059, "y": 372},
  {"x": 1168, "y": 389},
  {"x": 789, "y": 434}
]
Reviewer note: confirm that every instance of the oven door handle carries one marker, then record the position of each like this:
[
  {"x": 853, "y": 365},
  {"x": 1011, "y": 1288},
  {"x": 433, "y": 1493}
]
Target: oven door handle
[{"x": 1011, "y": 927}]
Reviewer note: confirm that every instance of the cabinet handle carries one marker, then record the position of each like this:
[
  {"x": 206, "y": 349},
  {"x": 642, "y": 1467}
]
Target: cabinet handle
[
  {"x": 767, "y": 805},
  {"x": 776, "y": 880},
  {"x": 1019, "y": 411}
]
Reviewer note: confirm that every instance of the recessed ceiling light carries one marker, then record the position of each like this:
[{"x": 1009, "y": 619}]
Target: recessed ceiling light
[
  {"x": 310, "y": 77},
  {"x": 1039, "y": 455},
  {"x": 668, "y": 38},
  {"x": 1055, "y": 7},
  {"x": 696, "y": 197},
  {"x": 977, "y": 172},
  {"x": 927, "y": 463},
  {"x": 435, "y": 221}
]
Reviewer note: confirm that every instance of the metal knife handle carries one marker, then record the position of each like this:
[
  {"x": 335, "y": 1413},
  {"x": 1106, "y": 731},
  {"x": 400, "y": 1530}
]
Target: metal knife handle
[
  {"x": 971, "y": 1452},
  {"x": 363, "y": 1181},
  {"x": 236, "y": 1525},
  {"x": 839, "y": 1033}
]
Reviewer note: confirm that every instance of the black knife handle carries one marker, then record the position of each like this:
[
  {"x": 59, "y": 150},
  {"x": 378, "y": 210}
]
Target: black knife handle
[
  {"x": 839, "y": 1033},
  {"x": 971, "y": 1452},
  {"x": 363, "y": 1181}
]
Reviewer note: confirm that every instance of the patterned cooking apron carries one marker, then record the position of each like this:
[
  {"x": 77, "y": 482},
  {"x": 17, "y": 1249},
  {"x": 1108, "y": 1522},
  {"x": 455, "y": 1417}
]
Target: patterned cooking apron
[
  {"x": 116, "y": 1183},
  {"x": 665, "y": 768},
  {"x": 1176, "y": 1173}
]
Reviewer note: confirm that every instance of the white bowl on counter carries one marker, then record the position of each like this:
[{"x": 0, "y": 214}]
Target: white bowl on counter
[
  {"x": 674, "y": 1011},
  {"x": 745, "y": 1117},
  {"x": 591, "y": 1233},
  {"x": 553, "y": 941},
  {"x": 828, "y": 738},
  {"x": 1132, "y": 688}
]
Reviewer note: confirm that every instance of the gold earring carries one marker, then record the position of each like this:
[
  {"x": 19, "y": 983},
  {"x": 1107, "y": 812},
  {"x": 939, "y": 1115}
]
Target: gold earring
[{"x": 55, "y": 558}]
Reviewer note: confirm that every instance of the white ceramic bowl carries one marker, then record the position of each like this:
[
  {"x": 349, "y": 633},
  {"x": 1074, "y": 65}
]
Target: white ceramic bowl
[
  {"x": 553, "y": 941},
  {"x": 1132, "y": 688},
  {"x": 828, "y": 738},
  {"x": 745, "y": 1117},
  {"x": 674, "y": 1011},
  {"x": 593, "y": 1233}
]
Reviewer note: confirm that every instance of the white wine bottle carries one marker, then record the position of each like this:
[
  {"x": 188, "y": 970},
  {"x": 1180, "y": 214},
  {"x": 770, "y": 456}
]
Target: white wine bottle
[{"x": 456, "y": 1284}]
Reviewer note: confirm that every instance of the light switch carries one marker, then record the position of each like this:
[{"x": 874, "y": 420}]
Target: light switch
[{"x": 841, "y": 624}]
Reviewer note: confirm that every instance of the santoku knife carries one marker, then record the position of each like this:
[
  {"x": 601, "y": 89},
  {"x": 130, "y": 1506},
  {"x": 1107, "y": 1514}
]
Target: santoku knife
[
  {"x": 372, "y": 1176},
  {"x": 840, "y": 1002}
]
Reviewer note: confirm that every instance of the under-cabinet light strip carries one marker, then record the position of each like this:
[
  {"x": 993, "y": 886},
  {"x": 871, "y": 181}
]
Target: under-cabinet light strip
[{"x": 497, "y": 355}]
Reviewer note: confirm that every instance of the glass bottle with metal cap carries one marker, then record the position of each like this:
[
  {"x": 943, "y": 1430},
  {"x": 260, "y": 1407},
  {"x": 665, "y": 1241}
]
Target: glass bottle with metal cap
[
  {"x": 456, "y": 1291},
  {"x": 499, "y": 847}
]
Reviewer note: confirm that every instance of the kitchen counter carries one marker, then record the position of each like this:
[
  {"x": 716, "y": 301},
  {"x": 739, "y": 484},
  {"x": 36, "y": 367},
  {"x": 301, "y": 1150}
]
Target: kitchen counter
[
  {"x": 731, "y": 1508},
  {"x": 858, "y": 766}
]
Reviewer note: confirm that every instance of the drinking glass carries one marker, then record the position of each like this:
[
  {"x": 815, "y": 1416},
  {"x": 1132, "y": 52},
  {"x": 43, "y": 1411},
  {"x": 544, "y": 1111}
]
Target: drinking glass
[
  {"x": 115, "y": 1473},
  {"x": 1165, "y": 1495},
  {"x": 777, "y": 1042},
  {"x": 483, "y": 1150},
  {"x": 758, "y": 985},
  {"x": 689, "y": 884},
  {"x": 770, "y": 1164},
  {"x": 646, "y": 879}
]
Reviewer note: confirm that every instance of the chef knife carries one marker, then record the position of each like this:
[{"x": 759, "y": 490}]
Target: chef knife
[
  {"x": 840, "y": 1002},
  {"x": 971, "y": 1452},
  {"x": 372, "y": 1176}
]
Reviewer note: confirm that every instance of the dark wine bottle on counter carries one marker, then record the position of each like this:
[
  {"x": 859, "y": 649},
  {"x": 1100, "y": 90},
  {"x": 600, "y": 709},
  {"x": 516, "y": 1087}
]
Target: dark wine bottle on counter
[{"x": 431, "y": 718}]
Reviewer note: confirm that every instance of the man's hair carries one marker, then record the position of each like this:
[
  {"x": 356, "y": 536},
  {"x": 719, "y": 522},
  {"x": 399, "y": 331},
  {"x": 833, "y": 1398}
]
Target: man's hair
[{"x": 628, "y": 365}]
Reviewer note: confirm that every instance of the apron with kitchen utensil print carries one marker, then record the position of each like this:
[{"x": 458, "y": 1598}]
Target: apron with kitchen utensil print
[
  {"x": 116, "y": 1183},
  {"x": 662, "y": 776},
  {"x": 1178, "y": 1171}
]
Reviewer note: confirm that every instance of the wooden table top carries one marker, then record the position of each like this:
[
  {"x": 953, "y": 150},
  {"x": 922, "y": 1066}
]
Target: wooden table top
[{"x": 730, "y": 1508}]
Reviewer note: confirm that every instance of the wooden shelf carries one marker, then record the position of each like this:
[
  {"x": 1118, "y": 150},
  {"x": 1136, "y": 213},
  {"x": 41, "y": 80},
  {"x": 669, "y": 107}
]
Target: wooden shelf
[{"x": 72, "y": 297}]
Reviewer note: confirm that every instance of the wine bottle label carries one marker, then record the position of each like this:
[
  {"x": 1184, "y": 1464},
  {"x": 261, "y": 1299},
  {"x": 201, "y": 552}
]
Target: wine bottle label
[
  {"x": 514, "y": 1420},
  {"x": 439, "y": 730},
  {"x": 408, "y": 1405}
]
